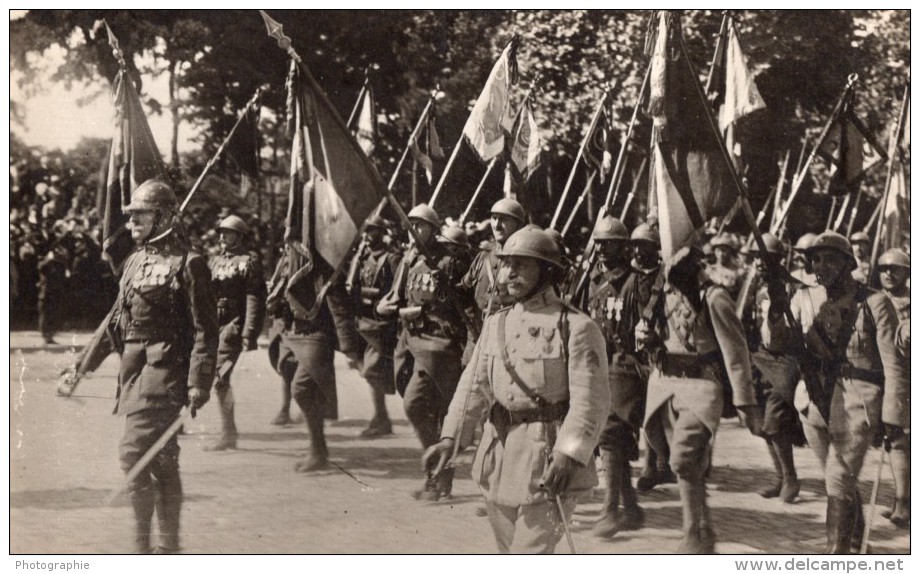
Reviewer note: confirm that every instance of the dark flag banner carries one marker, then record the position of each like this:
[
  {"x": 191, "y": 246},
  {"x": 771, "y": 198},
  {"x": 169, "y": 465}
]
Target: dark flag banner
[
  {"x": 133, "y": 159},
  {"x": 244, "y": 144},
  {"x": 850, "y": 150},
  {"x": 431, "y": 149},
  {"x": 689, "y": 181},
  {"x": 601, "y": 144},
  {"x": 526, "y": 148}
]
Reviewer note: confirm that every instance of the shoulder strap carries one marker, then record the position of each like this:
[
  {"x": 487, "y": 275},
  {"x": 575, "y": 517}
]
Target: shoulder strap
[{"x": 540, "y": 401}]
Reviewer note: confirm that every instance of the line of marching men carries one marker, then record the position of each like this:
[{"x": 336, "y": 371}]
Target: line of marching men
[{"x": 666, "y": 348}]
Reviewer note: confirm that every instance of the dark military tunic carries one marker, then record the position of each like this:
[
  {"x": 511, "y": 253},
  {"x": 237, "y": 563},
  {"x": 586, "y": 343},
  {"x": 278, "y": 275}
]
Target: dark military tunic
[{"x": 376, "y": 270}]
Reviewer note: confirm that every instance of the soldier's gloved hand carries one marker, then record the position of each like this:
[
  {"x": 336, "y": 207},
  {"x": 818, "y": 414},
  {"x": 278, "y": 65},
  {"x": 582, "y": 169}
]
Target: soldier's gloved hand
[
  {"x": 197, "y": 398},
  {"x": 558, "y": 474},
  {"x": 751, "y": 418},
  {"x": 437, "y": 455}
]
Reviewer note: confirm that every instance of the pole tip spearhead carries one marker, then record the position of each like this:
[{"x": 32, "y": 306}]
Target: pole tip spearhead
[{"x": 276, "y": 30}]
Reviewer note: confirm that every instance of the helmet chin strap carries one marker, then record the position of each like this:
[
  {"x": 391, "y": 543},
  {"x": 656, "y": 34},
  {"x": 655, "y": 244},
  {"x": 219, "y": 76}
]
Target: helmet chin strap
[{"x": 153, "y": 235}]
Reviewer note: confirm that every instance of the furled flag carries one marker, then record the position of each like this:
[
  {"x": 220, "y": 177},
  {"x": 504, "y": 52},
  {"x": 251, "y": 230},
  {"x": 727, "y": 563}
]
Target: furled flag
[
  {"x": 731, "y": 86},
  {"x": 526, "y": 148},
  {"x": 896, "y": 222},
  {"x": 850, "y": 149},
  {"x": 334, "y": 186},
  {"x": 601, "y": 144},
  {"x": 689, "y": 181},
  {"x": 432, "y": 146},
  {"x": 491, "y": 118},
  {"x": 133, "y": 159},
  {"x": 367, "y": 122},
  {"x": 243, "y": 144}
]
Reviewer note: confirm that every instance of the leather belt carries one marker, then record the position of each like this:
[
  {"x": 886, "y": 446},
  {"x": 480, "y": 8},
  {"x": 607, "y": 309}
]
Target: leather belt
[
  {"x": 689, "y": 366},
  {"x": 503, "y": 419},
  {"x": 869, "y": 375}
]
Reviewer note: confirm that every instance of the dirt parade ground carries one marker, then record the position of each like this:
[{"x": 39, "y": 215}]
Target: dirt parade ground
[{"x": 63, "y": 457}]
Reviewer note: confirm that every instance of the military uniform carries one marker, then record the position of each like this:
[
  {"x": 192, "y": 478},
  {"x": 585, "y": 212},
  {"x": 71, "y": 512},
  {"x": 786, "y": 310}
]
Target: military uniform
[
  {"x": 168, "y": 333},
  {"x": 559, "y": 354},
  {"x": 850, "y": 336},
  {"x": 239, "y": 288},
  {"x": 488, "y": 294},
  {"x": 729, "y": 277},
  {"x": 702, "y": 343},
  {"x": 376, "y": 271}
]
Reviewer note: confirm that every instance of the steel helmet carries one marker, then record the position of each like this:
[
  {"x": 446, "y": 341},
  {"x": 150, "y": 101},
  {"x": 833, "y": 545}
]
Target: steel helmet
[
  {"x": 837, "y": 242},
  {"x": 610, "y": 228},
  {"x": 725, "y": 240},
  {"x": 376, "y": 221},
  {"x": 234, "y": 223},
  {"x": 152, "y": 195},
  {"x": 805, "y": 242},
  {"x": 860, "y": 236},
  {"x": 454, "y": 234},
  {"x": 534, "y": 243},
  {"x": 773, "y": 244},
  {"x": 425, "y": 213},
  {"x": 894, "y": 258},
  {"x": 645, "y": 232},
  {"x": 511, "y": 208}
]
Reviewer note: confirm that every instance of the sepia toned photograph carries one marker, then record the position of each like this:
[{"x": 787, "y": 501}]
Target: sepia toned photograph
[{"x": 460, "y": 281}]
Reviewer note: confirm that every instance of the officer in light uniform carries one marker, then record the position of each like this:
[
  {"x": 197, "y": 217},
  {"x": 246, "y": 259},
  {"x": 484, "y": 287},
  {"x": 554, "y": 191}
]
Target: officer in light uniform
[
  {"x": 850, "y": 336},
  {"x": 434, "y": 334},
  {"x": 894, "y": 271},
  {"x": 374, "y": 270},
  {"x": 539, "y": 370},
  {"x": 166, "y": 331},
  {"x": 618, "y": 441},
  {"x": 702, "y": 342},
  {"x": 239, "y": 288}
]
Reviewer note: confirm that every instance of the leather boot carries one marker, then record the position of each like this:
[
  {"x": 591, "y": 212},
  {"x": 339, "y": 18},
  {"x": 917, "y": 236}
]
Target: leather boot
[
  {"x": 169, "y": 506},
  {"x": 859, "y": 524},
  {"x": 228, "y": 433},
  {"x": 900, "y": 516},
  {"x": 445, "y": 482},
  {"x": 142, "y": 500},
  {"x": 608, "y": 525},
  {"x": 318, "y": 459},
  {"x": 284, "y": 414},
  {"x": 693, "y": 503},
  {"x": 900, "y": 465},
  {"x": 782, "y": 446},
  {"x": 380, "y": 424},
  {"x": 773, "y": 490},
  {"x": 839, "y": 525},
  {"x": 631, "y": 517},
  {"x": 429, "y": 490}
]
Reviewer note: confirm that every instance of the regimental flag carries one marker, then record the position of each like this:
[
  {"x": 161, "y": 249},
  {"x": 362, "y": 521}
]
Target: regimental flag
[
  {"x": 431, "y": 144},
  {"x": 896, "y": 222},
  {"x": 334, "y": 186},
  {"x": 600, "y": 143},
  {"x": 850, "y": 149},
  {"x": 491, "y": 115},
  {"x": 689, "y": 181},
  {"x": 526, "y": 147},
  {"x": 367, "y": 122},
  {"x": 731, "y": 87},
  {"x": 133, "y": 159},
  {"x": 243, "y": 144}
]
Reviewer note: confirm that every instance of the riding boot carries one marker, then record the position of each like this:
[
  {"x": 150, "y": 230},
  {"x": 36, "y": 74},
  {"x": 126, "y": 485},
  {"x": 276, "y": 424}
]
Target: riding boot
[
  {"x": 648, "y": 478},
  {"x": 774, "y": 489},
  {"x": 782, "y": 445},
  {"x": 693, "y": 503},
  {"x": 380, "y": 425},
  {"x": 445, "y": 482},
  {"x": 142, "y": 500},
  {"x": 318, "y": 459},
  {"x": 608, "y": 525},
  {"x": 284, "y": 415},
  {"x": 839, "y": 525},
  {"x": 631, "y": 517},
  {"x": 859, "y": 524},
  {"x": 228, "y": 433},
  {"x": 900, "y": 465},
  {"x": 169, "y": 506}
]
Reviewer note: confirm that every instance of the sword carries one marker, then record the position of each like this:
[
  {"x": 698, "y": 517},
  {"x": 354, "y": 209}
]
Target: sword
[
  {"x": 154, "y": 450},
  {"x": 565, "y": 524},
  {"x": 878, "y": 479}
]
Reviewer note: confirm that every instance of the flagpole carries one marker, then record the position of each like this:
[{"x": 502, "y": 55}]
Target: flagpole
[
  {"x": 893, "y": 149},
  {"x": 635, "y": 187},
  {"x": 775, "y": 192},
  {"x": 799, "y": 177},
  {"x": 275, "y": 30},
  {"x": 220, "y": 149},
  {"x": 830, "y": 216},
  {"x": 479, "y": 187},
  {"x": 620, "y": 165},
  {"x": 852, "y": 222},
  {"x": 581, "y": 151},
  {"x": 354, "y": 110},
  {"x": 581, "y": 199},
  {"x": 720, "y": 50},
  {"x": 841, "y": 215}
]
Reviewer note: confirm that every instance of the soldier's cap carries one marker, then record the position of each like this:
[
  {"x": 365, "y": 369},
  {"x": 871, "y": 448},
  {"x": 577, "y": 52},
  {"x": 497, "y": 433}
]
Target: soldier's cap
[
  {"x": 894, "y": 258},
  {"x": 425, "y": 213},
  {"x": 454, "y": 234},
  {"x": 535, "y": 243},
  {"x": 376, "y": 221},
  {"x": 152, "y": 195},
  {"x": 234, "y": 223},
  {"x": 836, "y": 242},
  {"x": 804, "y": 242},
  {"x": 511, "y": 208},
  {"x": 773, "y": 243}
]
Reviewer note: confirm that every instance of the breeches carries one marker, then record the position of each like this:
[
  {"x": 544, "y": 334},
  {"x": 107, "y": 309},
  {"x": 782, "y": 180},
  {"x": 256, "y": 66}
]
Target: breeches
[
  {"x": 314, "y": 374},
  {"x": 690, "y": 440},
  {"x": 841, "y": 443},
  {"x": 529, "y": 528},
  {"x": 434, "y": 379},
  {"x": 142, "y": 429}
]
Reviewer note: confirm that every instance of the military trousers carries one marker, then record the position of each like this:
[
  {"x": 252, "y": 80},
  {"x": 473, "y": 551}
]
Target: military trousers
[
  {"x": 378, "y": 366},
  {"x": 436, "y": 372},
  {"x": 142, "y": 429},
  {"x": 229, "y": 349},
  {"x": 842, "y": 442},
  {"x": 313, "y": 381},
  {"x": 529, "y": 528}
]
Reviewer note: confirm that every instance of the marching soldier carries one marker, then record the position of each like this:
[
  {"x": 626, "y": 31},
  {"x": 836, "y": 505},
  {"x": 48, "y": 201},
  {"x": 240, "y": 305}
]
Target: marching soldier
[
  {"x": 777, "y": 374},
  {"x": 539, "y": 372},
  {"x": 862, "y": 250},
  {"x": 702, "y": 342},
  {"x": 167, "y": 334},
  {"x": 619, "y": 439},
  {"x": 239, "y": 288},
  {"x": 374, "y": 271},
  {"x": 726, "y": 271},
  {"x": 434, "y": 334},
  {"x": 850, "y": 338},
  {"x": 894, "y": 271},
  {"x": 507, "y": 216}
]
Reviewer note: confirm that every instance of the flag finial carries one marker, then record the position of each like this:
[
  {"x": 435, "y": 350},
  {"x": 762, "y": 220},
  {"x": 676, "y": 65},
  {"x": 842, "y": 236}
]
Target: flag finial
[
  {"x": 116, "y": 48},
  {"x": 276, "y": 31}
]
